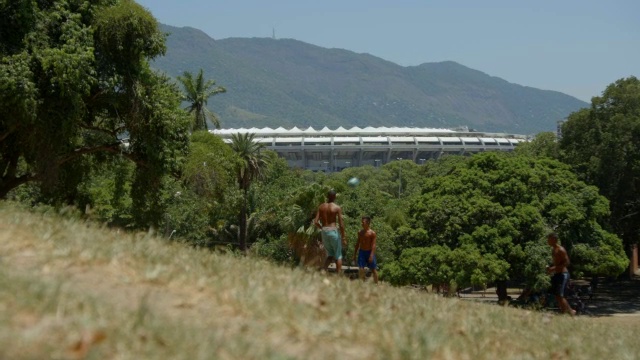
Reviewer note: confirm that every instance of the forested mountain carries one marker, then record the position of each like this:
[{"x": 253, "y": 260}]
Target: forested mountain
[{"x": 284, "y": 82}]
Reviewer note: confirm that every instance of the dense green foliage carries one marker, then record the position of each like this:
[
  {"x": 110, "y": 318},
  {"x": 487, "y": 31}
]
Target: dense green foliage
[
  {"x": 544, "y": 144},
  {"x": 75, "y": 81},
  {"x": 199, "y": 203},
  {"x": 602, "y": 144},
  {"x": 487, "y": 214},
  {"x": 289, "y": 83}
]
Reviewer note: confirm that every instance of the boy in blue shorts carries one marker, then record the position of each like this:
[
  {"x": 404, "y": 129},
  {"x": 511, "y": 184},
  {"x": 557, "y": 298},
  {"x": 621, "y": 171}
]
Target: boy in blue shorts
[{"x": 365, "y": 250}]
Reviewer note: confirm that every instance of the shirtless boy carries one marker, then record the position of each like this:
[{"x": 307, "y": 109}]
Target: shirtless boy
[
  {"x": 365, "y": 250},
  {"x": 328, "y": 214},
  {"x": 560, "y": 273}
]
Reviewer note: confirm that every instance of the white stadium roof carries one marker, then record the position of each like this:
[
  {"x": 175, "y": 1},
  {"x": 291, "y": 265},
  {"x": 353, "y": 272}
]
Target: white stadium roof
[
  {"x": 332, "y": 150},
  {"x": 310, "y": 131}
]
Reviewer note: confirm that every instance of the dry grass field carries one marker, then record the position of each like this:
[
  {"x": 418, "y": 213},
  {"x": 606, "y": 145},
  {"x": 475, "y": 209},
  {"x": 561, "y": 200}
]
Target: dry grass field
[{"x": 72, "y": 290}]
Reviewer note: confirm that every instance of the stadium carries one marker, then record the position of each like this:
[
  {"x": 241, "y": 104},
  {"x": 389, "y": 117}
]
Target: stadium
[{"x": 333, "y": 150}]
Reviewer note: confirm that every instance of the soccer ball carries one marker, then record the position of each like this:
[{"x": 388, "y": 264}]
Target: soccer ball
[{"x": 353, "y": 182}]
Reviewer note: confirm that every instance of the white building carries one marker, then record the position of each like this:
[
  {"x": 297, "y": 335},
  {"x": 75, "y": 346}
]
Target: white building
[{"x": 334, "y": 150}]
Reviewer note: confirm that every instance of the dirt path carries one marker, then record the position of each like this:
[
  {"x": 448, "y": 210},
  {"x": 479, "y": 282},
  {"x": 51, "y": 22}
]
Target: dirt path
[
  {"x": 616, "y": 298},
  {"x": 612, "y": 299}
]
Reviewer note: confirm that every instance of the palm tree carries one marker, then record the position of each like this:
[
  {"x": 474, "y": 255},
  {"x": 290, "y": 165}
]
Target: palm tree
[
  {"x": 198, "y": 92},
  {"x": 302, "y": 233},
  {"x": 251, "y": 166}
]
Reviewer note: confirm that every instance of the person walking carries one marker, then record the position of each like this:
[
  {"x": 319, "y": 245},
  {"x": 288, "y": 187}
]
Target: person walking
[{"x": 560, "y": 272}]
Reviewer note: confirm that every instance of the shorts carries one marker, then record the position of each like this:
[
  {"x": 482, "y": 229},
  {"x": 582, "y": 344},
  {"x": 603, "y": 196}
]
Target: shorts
[
  {"x": 363, "y": 260},
  {"x": 559, "y": 283},
  {"x": 332, "y": 243}
]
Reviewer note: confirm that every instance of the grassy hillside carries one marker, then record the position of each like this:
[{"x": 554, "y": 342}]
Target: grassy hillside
[
  {"x": 71, "y": 290},
  {"x": 284, "y": 82}
]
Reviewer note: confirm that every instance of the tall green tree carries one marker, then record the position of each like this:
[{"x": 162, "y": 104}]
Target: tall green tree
[
  {"x": 76, "y": 86},
  {"x": 545, "y": 144},
  {"x": 197, "y": 92},
  {"x": 602, "y": 144},
  {"x": 252, "y": 163},
  {"x": 210, "y": 167},
  {"x": 198, "y": 204},
  {"x": 272, "y": 197}
]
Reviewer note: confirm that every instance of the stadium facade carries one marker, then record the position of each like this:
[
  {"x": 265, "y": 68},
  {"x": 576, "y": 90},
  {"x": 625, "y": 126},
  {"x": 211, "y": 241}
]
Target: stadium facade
[{"x": 334, "y": 150}]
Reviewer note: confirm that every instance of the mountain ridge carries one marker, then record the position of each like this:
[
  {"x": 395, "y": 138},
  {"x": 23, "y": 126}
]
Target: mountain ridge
[{"x": 286, "y": 82}]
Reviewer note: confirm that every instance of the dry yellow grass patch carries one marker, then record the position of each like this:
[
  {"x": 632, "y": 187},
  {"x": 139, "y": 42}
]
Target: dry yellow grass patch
[{"x": 71, "y": 290}]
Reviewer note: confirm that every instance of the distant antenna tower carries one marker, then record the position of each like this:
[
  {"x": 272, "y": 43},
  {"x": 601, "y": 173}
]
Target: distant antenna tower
[{"x": 273, "y": 34}]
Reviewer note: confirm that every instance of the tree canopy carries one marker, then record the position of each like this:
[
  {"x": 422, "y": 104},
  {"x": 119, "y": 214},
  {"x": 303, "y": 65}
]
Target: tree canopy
[
  {"x": 492, "y": 210},
  {"x": 602, "y": 144},
  {"x": 75, "y": 86}
]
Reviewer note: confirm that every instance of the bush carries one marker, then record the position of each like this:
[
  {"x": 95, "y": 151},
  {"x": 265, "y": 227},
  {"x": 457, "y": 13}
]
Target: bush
[{"x": 274, "y": 249}]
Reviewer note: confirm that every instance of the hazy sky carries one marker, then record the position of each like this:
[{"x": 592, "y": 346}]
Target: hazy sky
[{"x": 574, "y": 46}]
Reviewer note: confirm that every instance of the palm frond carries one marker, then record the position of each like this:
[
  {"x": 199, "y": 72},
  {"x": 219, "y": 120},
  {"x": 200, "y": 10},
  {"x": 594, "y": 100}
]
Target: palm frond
[{"x": 197, "y": 92}]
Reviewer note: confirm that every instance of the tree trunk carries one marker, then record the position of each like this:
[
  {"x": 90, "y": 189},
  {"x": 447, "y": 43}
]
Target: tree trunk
[
  {"x": 12, "y": 183},
  {"x": 242, "y": 237},
  {"x": 501, "y": 290}
]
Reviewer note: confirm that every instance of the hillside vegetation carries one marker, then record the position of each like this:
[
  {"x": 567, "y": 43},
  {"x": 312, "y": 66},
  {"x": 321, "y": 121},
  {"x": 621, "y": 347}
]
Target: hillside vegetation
[
  {"x": 73, "y": 290},
  {"x": 285, "y": 82}
]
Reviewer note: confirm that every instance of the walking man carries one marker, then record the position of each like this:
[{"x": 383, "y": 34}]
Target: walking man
[
  {"x": 366, "y": 250},
  {"x": 329, "y": 213},
  {"x": 560, "y": 272}
]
